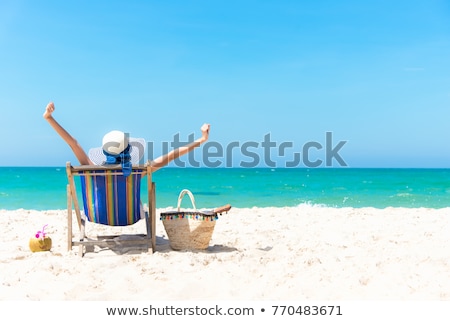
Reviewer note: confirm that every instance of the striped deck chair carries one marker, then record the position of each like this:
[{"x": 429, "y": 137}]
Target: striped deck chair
[{"x": 109, "y": 198}]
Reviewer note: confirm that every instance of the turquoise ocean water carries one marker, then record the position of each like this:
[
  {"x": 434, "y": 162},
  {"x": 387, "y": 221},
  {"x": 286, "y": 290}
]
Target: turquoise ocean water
[{"x": 44, "y": 188}]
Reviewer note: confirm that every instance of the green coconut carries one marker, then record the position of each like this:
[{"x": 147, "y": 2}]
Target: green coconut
[
  {"x": 40, "y": 242},
  {"x": 40, "y": 245}
]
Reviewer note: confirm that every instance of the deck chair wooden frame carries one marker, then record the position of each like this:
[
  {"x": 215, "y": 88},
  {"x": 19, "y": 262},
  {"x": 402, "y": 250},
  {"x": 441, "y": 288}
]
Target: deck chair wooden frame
[{"x": 148, "y": 239}]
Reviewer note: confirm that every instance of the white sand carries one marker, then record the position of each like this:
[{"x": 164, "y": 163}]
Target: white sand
[{"x": 255, "y": 254}]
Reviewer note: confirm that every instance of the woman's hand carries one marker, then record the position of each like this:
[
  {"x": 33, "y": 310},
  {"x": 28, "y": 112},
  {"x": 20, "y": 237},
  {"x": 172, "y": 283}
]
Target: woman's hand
[
  {"x": 205, "y": 132},
  {"x": 49, "y": 110}
]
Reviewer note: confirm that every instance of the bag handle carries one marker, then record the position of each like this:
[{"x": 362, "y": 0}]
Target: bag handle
[{"x": 180, "y": 198}]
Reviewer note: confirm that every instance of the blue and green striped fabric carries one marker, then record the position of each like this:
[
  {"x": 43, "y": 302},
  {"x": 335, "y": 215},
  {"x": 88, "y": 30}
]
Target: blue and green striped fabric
[{"x": 111, "y": 200}]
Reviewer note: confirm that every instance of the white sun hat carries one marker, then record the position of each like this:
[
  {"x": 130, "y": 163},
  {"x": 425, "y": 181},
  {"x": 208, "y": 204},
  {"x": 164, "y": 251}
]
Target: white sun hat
[{"x": 114, "y": 143}]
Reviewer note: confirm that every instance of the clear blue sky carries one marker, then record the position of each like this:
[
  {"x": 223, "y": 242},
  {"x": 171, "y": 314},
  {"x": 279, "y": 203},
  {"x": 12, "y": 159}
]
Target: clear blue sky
[{"x": 374, "y": 73}]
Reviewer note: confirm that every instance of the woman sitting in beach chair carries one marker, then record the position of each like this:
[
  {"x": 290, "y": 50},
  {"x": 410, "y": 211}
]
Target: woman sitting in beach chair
[{"x": 116, "y": 146}]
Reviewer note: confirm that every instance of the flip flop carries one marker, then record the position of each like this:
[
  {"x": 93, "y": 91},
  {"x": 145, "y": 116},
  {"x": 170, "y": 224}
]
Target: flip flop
[{"x": 218, "y": 210}]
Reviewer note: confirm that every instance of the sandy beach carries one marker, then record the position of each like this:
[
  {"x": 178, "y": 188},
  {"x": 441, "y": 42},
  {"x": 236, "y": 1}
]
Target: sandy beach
[{"x": 295, "y": 253}]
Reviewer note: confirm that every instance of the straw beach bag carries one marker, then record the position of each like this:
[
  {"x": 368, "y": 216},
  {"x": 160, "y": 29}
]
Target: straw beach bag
[{"x": 190, "y": 230}]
